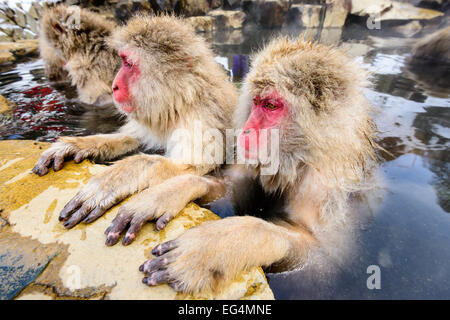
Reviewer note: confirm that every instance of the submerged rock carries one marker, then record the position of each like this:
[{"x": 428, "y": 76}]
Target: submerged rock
[{"x": 42, "y": 260}]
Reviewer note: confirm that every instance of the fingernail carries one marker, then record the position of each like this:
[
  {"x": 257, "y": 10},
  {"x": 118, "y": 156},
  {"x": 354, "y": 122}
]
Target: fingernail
[
  {"x": 141, "y": 268},
  {"x": 109, "y": 241},
  {"x": 126, "y": 240},
  {"x": 160, "y": 225}
]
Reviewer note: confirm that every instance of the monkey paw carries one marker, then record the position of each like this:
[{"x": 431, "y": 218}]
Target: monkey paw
[
  {"x": 146, "y": 206},
  {"x": 195, "y": 262},
  {"x": 56, "y": 154},
  {"x": 91, "y": 202}
]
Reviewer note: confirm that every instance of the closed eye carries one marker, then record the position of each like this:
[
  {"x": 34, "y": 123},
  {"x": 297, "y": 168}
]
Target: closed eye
[{"x": 126, "y": 62}]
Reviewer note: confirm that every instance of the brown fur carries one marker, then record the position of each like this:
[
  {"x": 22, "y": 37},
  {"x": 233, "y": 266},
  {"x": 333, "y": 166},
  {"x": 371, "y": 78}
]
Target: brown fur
[
  {"x": 54, "y": 64},
  {"x": 90, "y": 63},
  {"x": 434, "y": 48},
  {"x": 327, "y": 151},
  {"x": 180, "y": 84}
]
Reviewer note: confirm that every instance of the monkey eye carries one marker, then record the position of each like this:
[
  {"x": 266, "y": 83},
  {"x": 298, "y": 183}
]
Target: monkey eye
[
  {"x": 270, "y": 106},
  {"x": 127, "y": 64}
]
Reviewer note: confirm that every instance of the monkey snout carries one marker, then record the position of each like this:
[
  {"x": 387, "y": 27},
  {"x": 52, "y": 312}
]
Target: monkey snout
[{"x": 115, "y": 88}]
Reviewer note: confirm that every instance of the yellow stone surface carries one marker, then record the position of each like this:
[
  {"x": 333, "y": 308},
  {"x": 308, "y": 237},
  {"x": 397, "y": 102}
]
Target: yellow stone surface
[
  {"x": 83, "y": 267},
  {"x": 5, "y": 105}
]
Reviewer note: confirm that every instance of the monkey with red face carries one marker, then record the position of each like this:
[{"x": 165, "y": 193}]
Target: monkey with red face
[
  {"x": 168, "y": 82},
  {"x": 310, "y": 95}
]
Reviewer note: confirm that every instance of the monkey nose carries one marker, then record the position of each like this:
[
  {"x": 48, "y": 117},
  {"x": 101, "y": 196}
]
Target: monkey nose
[{"x": 115, "y": 87}]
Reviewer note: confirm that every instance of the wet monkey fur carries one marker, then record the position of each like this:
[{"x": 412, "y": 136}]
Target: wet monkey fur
[
  {"x": 432, "y": 49},
  {"x": 168, "y": 81},
  {"x": 313, "y": 95},
  {"x": 73, "y": 43}
]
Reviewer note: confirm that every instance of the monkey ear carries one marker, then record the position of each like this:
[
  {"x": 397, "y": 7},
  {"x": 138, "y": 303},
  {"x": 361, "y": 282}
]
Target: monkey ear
[{"x": 58, "y": 27}]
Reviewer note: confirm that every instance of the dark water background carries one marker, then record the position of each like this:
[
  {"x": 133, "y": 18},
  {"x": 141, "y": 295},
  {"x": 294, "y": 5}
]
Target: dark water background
[{"x": 408, "y": 232}]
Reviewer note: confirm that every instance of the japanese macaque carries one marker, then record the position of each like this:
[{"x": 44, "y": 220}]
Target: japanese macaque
[
  {"x": 73, "y": 41},
  {"x": 312, "y": 95},
  {"x": 169, "y": 86},
  {"x": 54, "y": 64},
  {"x": 429, "y": 64}
]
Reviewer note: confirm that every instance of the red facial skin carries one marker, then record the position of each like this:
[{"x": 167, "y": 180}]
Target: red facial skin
[
  {"x": 267, "y": 112},
  {"x": 125, "y": 78}
]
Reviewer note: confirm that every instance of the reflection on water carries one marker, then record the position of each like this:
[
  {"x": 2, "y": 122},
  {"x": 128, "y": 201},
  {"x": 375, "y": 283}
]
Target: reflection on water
[
  {"x": 408, "y": 232},
  {"x": 44, "y": 111}
]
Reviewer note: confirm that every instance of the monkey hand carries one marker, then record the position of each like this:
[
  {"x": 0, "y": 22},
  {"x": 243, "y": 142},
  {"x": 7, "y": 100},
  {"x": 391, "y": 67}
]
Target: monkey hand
[
  {"x": 100, "y": 193},
  {"x": 203, "y": 259},
  {"x": 56, "y": 155},
  {"x": 159, "y": 204}
]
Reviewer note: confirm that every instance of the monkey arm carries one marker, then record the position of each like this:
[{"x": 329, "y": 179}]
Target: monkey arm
[
  {"x": 101, "y": 147},
  {"x": 208, "y": 257},
  {"x": 124, "y": 178},
  {"x": 54, "y": 65},
  {"x": 162, "y": 203}
]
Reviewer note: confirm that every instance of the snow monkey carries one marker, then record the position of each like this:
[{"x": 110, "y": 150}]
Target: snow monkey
[
  {"x": 313, "y": 95},
  {"x": 74, "y": 41},
  {"x": 432, "y": 49},
  {"x": 168, "y": 83}
]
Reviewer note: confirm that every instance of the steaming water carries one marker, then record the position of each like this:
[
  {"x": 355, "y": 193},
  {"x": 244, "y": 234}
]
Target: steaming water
[{"x": 408, "y": 231}]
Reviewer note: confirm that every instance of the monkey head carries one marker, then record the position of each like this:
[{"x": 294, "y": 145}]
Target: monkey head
[
  {"x": 71, "y": 30},
  {"x": 312, "y": 94},
  {"x": 166, "y": 69}
]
